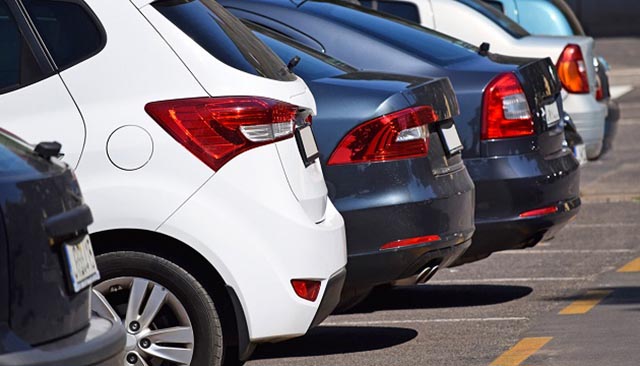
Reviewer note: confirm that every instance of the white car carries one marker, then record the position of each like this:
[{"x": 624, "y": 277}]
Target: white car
[
  {"x": 475, "y": 22},
  {"x": 191, "y": 141}
]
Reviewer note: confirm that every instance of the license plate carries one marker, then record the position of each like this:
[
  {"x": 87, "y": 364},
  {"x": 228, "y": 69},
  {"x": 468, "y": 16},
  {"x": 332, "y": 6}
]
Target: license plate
[
  {"x": 81, "y": 264},
  {"x": 307, "y": 145},
  {"x": 580, "y": 152},
  {"x": 553, "y": 113},
  {"x": 451, "y": 139}
]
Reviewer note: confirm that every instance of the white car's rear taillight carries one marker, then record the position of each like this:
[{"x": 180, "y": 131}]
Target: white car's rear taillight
[{"x": 217, "y": 129}]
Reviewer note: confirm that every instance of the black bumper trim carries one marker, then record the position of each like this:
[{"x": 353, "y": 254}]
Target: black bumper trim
[
  {"x": 331, "y": 297},
  {"x": 104, "y": 347}
]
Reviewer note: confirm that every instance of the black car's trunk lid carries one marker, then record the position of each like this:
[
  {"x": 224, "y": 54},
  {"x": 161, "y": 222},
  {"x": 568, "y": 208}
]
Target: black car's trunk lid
[{"x": 444, "y": 141}]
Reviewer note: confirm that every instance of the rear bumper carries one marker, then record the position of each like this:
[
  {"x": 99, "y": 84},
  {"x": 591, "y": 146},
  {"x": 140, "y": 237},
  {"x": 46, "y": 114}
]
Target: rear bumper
[
  {"x": 518, "y": 233},
  {"x": 387, "y": 266},
  {"x": 100, "y": 344},
  {"x": 510, "y": 185},
  {"x": 589, "y": 118},
  {"x": 331, "y": 297},
  {"x": 443, "y": 207}
]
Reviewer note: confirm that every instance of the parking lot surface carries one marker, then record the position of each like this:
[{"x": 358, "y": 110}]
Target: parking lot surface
[{"x": 574, "y": 300}]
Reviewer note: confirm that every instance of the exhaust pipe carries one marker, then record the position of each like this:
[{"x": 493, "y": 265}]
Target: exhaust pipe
[{"x": 427, "y": 273}]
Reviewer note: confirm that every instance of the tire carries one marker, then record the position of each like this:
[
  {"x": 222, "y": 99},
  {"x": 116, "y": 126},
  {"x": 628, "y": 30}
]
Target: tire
[{"x": 185, "y": 303}]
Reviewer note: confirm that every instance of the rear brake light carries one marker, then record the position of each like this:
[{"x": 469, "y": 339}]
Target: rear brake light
[
  {"x": 411, "y": 241},
  {"x": 599, "y": 90},
  {"x": 306, "y": 289},
  {"x": 572, "y": 70},
  {"x": 505, "y": 110},
  {"x": 217, "y": 129},
  {"x": 399, "y": 135},
  {"x": 540, "y": 212}
]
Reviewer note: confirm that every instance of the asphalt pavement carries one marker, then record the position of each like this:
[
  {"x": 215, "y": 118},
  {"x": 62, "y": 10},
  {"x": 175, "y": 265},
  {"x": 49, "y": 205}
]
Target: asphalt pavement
[{"x": 574, "y": 300}]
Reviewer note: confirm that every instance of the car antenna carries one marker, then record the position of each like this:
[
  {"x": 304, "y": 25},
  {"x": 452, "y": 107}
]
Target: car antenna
[
  {"x": 484, "y": 49},
  {"x": 295, "y": 60}
]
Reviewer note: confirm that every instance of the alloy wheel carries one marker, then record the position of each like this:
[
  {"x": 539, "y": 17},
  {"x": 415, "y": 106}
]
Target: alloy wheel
[{"x": 159, "y": 331}]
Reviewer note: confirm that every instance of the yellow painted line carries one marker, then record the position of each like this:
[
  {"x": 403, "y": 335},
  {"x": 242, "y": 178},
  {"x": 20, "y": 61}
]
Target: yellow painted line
[
  {"x": 633, "y": 266},
  {"x": 521, "y": 351},
  {"x": 588, "y": 302}
]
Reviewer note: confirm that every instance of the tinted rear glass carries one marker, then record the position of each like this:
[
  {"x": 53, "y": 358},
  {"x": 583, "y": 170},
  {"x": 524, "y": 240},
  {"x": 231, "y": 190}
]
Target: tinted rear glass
[
  {"x": 405, "y": 10},
  {"x": 428, "y": 44},
  {"x": 504, "y": 22},
  {"x": 313, "y": 65},
  {"x": 18, "y": 66},
  {"x": 68, "y": 30},
  {"x": 224, "y": 37}
]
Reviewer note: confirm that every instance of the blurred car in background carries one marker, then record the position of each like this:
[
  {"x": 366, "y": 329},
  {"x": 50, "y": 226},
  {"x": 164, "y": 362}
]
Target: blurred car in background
[
  {"x": 527, "y": 184},
  {"x": 392, "y": 160},
  {"x": 213, "y": 229},
  {"x": 476, "y": 22},
  {"x": 47, "y": 265},
  {"x": 555, "y": 18}
]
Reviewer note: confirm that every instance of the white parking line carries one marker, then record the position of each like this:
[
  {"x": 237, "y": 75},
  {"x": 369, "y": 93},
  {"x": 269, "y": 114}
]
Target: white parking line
[
  {"x": 567, "y": 251},
  {"x": 628, "y": 122},
  {"x": 611, "y": 224},
  {"x": 513, "y": 279},
  {"x": 619, "y": 90},
  {"x": 418, "y": 321}
]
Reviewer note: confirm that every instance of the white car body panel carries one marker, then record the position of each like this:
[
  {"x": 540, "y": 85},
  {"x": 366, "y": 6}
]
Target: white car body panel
[
  {"x": 45, "y": 111},
  {"x": 254, "y": 219}
]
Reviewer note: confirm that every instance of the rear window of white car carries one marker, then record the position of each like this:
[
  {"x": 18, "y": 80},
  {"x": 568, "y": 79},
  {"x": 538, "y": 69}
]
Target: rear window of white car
[
  {"x": 224, "y": 37},
  {"x": 503, "y": 21}
]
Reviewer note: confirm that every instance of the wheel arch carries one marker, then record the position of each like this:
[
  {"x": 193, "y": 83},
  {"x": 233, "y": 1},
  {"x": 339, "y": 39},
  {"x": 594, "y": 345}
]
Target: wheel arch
[{"x": 234, "y": 323}]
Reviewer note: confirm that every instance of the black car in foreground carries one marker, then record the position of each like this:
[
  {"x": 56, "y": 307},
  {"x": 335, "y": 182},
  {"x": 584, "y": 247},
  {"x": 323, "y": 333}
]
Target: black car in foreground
[
  {"x": 392, "y": 161},
  {"x": 527, "y": 184},
  {"x": 48, "y": 312}
]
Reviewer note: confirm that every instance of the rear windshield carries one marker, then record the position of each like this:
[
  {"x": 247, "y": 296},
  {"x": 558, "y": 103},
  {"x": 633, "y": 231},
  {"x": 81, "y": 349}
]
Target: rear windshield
[
  {"x": 313, "y": 64},
  {"x": 428, "y": 44},
  {"x": 224, "y": 37},
  {"x": 503, "y": 21}
]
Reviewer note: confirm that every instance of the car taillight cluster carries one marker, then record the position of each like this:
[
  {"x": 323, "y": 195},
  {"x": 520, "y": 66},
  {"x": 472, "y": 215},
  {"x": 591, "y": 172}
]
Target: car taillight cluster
[
  {"x": 505, "y": 110},
  {"x": 399, "y": 135},
  {"x": 217, "y": 129},
  {"x": 572, "y": 70}
]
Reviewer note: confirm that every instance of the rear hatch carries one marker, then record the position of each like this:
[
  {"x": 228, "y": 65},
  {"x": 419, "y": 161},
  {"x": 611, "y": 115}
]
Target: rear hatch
[
  {"x": 34, "y": 192},
  {"x": 228, "y": 60}
]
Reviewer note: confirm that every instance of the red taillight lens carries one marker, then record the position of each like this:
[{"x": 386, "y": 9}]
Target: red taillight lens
[
  {"x": 540, "y": 212},
  {"x": 217, "y": 129},
  {"x": 306, "y": 289},
  {"x": 411, "y": 241},
  {"x": 572, "y": 70},
  {"x": 505, "y": 110},
  {"x": 599, "y": 90},
  {"x": 399, "y": 135}
]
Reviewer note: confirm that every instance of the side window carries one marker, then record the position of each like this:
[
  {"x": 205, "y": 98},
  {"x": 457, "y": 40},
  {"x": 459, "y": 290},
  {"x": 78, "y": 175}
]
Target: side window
[
  {"x": 405, "y": 10},
  {"x": 67, "y": 28},
  {"x": 18, "y": 66}
]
